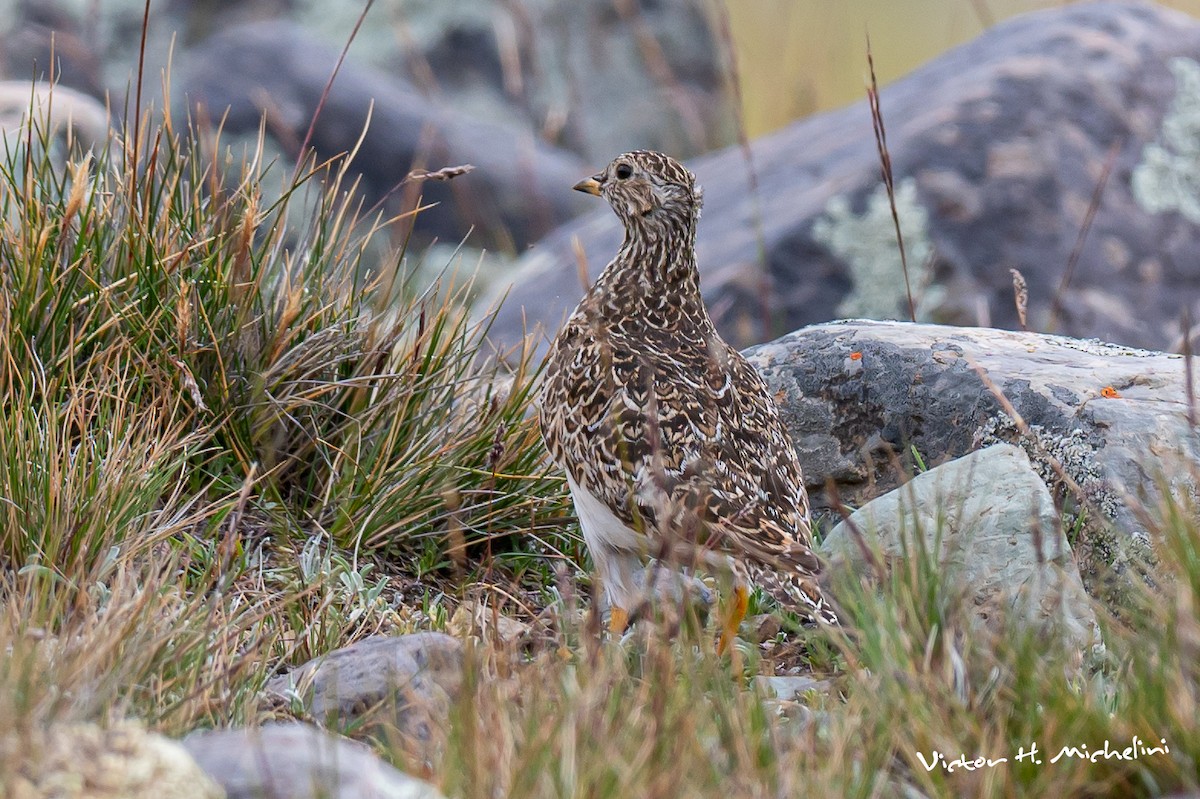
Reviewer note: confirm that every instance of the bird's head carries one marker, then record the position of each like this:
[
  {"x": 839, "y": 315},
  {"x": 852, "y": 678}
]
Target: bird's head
[{"x": 647, "y": 189}]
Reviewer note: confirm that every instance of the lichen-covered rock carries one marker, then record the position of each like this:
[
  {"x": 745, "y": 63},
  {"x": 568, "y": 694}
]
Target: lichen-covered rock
[
  {"x": 991, "y": 524},
  {"x": 84, "y": 761},
  {"x": 1103, "y": 425},
  {"x": 298, "y": 761},
  {"x": 405, "y": 683},
  {"x": 997, "y": 149}
]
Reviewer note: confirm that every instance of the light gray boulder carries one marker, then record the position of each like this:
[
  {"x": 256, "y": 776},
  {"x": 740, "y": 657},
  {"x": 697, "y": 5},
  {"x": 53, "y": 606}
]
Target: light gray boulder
[
  {"x": 405, "y": 683},
  {"x": 298, "y": 761},
  {"x": 55, "y": 111},
  {"x": 990, "y": 521}
]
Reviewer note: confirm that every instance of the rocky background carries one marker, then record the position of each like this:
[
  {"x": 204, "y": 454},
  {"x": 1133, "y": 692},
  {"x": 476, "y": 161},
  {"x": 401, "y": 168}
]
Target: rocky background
[
  {"x": 522, "y": 91},
  {"x": 1059, "y": 144}
]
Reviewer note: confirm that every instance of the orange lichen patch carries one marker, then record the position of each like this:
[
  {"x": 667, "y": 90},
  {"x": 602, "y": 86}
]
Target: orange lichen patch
[
  {"x": 1110, "y": 392},
  {"x": 856, "y": 356}
]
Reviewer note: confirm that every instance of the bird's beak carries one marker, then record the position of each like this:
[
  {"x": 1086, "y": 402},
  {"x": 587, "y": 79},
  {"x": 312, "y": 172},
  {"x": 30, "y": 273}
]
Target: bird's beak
[{"x": 589, "y": 186}]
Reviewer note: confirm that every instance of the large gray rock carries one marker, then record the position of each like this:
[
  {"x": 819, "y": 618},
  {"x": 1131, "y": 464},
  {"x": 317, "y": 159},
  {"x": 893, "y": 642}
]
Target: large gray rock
[
  {"x": 997, "y": 148},
  {"x": 990, "y": 522},
  {"x": 406, "y": 683},
  {"x": 298, "y": 761},
  {"x": 520, "y": 187},
  {"x": 857, "y": 395},
  {"x": 42, "y": 41}
]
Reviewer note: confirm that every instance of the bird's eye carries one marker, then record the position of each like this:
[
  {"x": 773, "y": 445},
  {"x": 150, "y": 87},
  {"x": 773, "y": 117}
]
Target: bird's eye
[{"x": 624, "y": 171}]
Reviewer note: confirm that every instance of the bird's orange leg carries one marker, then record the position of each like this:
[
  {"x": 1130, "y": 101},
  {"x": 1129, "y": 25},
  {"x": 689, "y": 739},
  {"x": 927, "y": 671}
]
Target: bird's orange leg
[
  {"x": 618, "y": 620},
  {"x": 733, "y": 619}
]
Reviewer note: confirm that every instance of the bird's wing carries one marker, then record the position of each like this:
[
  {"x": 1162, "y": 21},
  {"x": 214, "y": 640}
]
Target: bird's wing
[{"x": 681, "y": 437}]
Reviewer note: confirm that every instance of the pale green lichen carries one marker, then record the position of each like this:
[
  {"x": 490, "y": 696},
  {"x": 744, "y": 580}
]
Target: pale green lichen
[
  {"x": 1051, "y": 451},
  {"x": 1168, "y": 176},
  {"x": 1095, "y": 346},
  {"x": 866, "y": 242},
  {"x": 1086, "y": 517}
]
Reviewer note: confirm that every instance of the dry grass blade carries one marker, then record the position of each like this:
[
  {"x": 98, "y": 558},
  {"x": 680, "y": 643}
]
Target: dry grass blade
[
  {"x": 765, "y": 305},
  {"x": 1060, "y": 471},
  {"x": 1188, "y": 375},
  {"x": 1057, "y": 304},
  {"x": 660, "y": 68},
  {"x": 885, "y": 166},
  {"x": 302, "y": 155},
  {"x": 1020, "y": 297},
  {"x": 136, "y": 137},
  {"x": 982, "y": 13},
  {"x": 856, "y": 534},
  {"x": 445, "y": 173},
  {"x": 581, "y": 264}
]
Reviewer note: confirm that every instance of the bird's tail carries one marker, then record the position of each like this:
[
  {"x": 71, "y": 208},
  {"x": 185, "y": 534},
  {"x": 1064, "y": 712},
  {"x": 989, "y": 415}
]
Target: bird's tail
[{"x": 796, "y": 591}]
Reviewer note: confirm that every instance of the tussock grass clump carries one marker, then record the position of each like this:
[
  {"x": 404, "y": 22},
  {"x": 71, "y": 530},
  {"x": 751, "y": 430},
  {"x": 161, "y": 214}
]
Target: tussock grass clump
[
  {"x": 300, "y": 360},
  {"x": 230, "y": 420},
  {"x": 297, "y": 358}
]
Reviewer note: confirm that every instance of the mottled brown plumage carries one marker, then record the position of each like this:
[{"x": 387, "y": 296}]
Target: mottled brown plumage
[{"x": 669, "y": 437}]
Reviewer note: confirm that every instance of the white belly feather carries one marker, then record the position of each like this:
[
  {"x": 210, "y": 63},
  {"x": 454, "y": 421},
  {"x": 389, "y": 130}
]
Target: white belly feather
[{"x": 615, "y": 547}]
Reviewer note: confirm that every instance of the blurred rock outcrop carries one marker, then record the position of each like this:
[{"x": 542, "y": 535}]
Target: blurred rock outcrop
[
  {"x": 595, "y": 76},
  {"x": 299, "y": 761},
  {"x": 998, "y": 149},
  {"x": 43, "y": 40},
  {"x": 533, "y": 93},
  {"x": 520, "y": 187}
]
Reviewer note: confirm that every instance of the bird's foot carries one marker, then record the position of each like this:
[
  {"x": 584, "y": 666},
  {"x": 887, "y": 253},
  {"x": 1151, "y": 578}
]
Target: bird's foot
[
  {"x": 618, "y": 620},
  {"x": 733, "y": 620}
]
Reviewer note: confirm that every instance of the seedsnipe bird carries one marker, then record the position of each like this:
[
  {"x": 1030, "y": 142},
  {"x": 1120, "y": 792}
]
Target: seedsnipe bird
[{"x": 669, "y": 438}]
